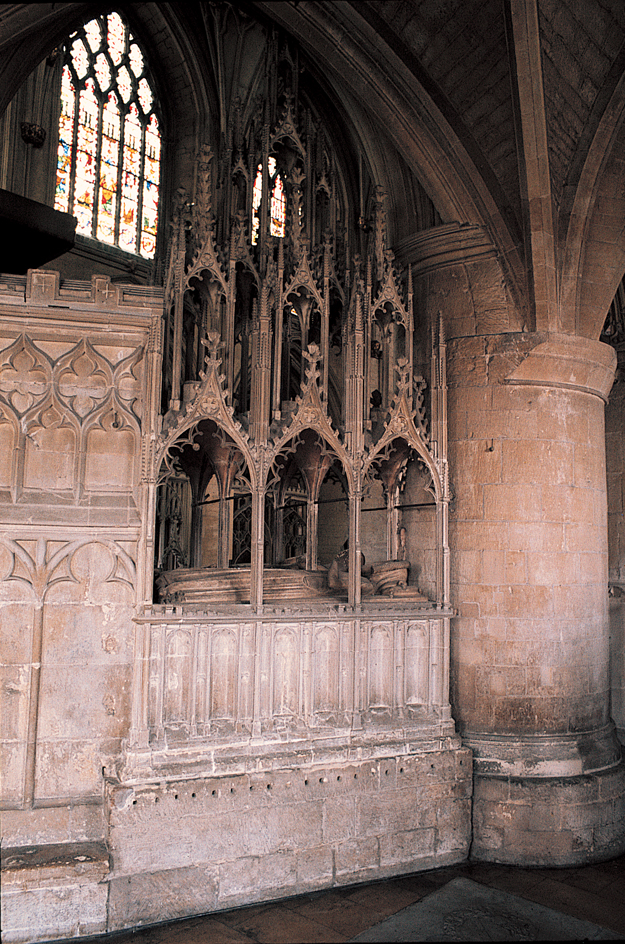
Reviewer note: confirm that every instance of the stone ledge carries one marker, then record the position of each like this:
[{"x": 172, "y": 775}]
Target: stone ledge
[
  {"x": 544, "y": 756},
  {"x": 52, "y": 861},
  {"x": 570, "y": 362}
]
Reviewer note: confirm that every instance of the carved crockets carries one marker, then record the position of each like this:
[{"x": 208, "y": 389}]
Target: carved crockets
[{"x": 289, "y": 367}]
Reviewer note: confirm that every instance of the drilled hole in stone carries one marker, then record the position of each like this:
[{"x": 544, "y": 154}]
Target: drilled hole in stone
[
  {"x": 175, "y": 796},
  {"x": 231, "y": 789},
  {"x": 305, "y": 783},
  {"x": 338, "y": 778},
  {"x": 401, "y": 770},
  {"x": 193, "y": 794},
  {"x": 214, "y": 793},
  {"x": 156, "y": 799},
  {"x": 269, "y": 786},
  {"x": 134, "y": 802},
  {"x": 386, "y": 773}
]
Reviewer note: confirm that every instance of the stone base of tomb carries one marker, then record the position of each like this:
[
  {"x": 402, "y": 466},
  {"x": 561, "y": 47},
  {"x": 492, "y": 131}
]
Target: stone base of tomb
[{"x": 184, "y": 846}]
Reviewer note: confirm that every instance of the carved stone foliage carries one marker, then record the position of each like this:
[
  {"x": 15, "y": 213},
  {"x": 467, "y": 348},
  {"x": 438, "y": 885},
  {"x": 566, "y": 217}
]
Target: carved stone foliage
[{"x": 51, "y": 407}]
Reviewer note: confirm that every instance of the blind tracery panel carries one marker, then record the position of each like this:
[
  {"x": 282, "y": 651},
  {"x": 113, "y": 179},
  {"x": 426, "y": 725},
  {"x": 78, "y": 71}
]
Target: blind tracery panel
[{"x": 108, "y": 165}]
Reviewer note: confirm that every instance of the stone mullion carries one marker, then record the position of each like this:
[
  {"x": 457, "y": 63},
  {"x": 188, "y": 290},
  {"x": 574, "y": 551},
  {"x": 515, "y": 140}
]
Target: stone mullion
[
  {"x": 120, "y": 168},
  {"x": 72, "y": 176},
  {"x": 97, "y": 159},
  {"x": 140, "y": 194}
]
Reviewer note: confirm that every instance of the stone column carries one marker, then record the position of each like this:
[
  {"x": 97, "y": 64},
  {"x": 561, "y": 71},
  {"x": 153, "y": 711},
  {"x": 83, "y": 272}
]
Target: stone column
[
  {"x": 615, "y": 458},
  {"x": 530, "y": 646}
]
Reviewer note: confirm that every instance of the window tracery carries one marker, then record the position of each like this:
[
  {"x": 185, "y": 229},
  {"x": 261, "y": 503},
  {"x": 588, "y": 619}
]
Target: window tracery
[{"x": 108, "y": 163}]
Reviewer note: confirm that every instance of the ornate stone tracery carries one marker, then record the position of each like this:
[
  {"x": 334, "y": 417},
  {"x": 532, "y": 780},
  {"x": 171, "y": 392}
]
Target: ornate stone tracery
[{"x": 309, "y": 361}]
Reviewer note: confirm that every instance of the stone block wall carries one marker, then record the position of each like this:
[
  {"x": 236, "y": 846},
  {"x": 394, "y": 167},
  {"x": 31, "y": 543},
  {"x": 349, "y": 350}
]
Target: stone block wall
[
  {"x": 74, "y": 381},
  {"x": 183, "y": 847}
]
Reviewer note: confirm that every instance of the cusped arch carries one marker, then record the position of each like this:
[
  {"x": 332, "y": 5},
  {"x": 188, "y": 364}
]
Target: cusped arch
[
  {"x": 288, "y": 443},
  {"x": 184, "y": 434}
]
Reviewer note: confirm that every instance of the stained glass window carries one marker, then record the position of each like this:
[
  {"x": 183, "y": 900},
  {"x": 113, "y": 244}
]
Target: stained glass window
[
  {"x": 277, "y": 206},
  {"x": 108, "y": 163}
]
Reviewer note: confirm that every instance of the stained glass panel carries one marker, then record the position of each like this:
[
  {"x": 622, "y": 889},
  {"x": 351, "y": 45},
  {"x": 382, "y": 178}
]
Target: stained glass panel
[
  {"x": 145, "y": 96},
  {"x": 109, "y": 161},
  {"x": 98, "y": 133},
  {"x": 66, "y": 137},
  {"x": 130, "y": 181},
  {"x": 116, "y": 37},
  {"x": 136, "y": 59},
  {"x": 124, "y": 84},
  {"x": 80, "y": 58},
  {"x": 278, "y": 209},
  {"x": 256, "y": 201},
  {"x": 150, "y": 188},
  {"x": 84, "y": 188},
  {"x": 93, "y": 34},
  {"x": 102, "y": 72}
]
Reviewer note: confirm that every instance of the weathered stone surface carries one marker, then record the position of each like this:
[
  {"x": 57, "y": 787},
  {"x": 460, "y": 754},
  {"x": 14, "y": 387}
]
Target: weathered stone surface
[
  {"x": 56, "y": 889},
  {"x": 150, "y": 897}
]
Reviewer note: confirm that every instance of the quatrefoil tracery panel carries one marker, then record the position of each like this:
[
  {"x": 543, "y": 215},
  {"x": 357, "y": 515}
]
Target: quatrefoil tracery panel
[
  {"x": 25, "y": 375},
  {"x": 83, "y": 379},
  {"x": 79, "y": 384}
]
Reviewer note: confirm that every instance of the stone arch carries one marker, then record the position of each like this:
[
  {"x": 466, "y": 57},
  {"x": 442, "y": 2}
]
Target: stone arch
[{"x": 594, "y": 260}]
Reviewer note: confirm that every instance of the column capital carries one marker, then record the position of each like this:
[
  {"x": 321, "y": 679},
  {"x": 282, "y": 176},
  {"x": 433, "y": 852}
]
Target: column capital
[{"x": 570, "y": 362}]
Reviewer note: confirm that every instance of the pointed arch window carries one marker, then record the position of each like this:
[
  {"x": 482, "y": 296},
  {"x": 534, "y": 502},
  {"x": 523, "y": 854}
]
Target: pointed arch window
[
  {"x": 277, "y": 202},
  {"x": 108, "y": 163}
]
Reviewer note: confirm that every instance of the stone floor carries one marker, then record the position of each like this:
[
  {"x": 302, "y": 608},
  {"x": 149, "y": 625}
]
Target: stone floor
[{"x": 594, "y": 893}]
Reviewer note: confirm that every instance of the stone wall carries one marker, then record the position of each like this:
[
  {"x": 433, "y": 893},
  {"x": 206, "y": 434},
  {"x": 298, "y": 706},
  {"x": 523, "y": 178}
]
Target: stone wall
[
  {"x": 74, "y": 382},
  {"x": 186, "y": 847}
]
